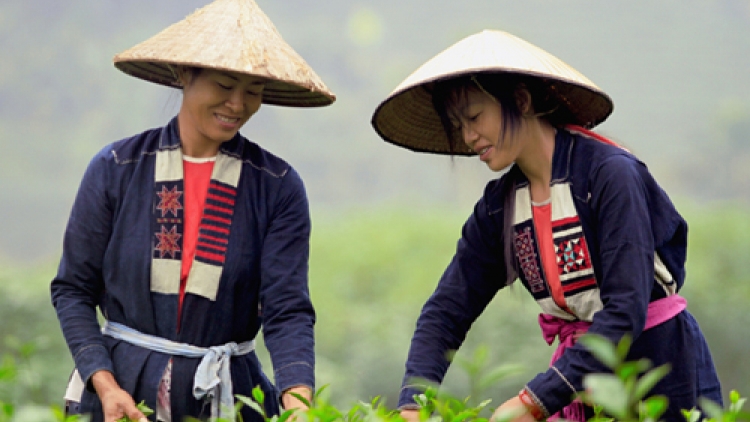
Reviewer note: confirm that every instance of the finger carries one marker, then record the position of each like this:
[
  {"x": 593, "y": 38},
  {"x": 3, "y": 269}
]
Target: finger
[
  {"x": 136, "y": 415},
  {"x": 113, "y": 416}
]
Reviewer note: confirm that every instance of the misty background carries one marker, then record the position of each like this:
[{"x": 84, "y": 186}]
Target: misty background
[{"x": 677, "y": 70}]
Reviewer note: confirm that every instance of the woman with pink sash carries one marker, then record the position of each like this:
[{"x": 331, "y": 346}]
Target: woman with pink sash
[{"x": 578, "y": 220}]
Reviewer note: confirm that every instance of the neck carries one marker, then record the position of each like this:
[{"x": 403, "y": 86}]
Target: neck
[
  {"x": 535, "y": 161},
  {"x": 193, "y": 144}
]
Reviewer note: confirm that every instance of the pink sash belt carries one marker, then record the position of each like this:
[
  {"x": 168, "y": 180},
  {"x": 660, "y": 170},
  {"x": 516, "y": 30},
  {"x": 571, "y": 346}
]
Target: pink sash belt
[{"x": 659, "y": 311}]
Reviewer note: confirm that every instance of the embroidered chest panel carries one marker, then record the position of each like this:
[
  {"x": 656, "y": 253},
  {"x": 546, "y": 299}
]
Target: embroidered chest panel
[
  {"x": 572, "y": 277},
  {"x": 213, "y": 231}
]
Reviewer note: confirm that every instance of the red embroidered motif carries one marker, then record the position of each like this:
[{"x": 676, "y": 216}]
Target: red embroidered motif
[
  {"x": 170, "y": 201},
  {"x": 527, "y": 258},
  {"x": 571, "y": 256},
  {"x": 213, "y": 236},
  {"x": 169, "y": 242}
]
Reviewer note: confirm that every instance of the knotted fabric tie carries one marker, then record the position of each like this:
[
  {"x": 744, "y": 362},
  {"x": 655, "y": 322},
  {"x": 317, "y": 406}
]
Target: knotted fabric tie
[
  {"x": 659, "y": 311},
  {"x": 212, "y": 380},
  {"x": 568, "y": 332}
]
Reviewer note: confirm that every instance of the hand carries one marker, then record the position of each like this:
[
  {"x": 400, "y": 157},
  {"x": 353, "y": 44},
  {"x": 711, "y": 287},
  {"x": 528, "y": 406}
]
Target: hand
[
  {"x": 410, "y": 415},
  {"x": 289, "y": 401},
  {"x": 116, "y": 402},
  {"x": 515, "y": 407}
]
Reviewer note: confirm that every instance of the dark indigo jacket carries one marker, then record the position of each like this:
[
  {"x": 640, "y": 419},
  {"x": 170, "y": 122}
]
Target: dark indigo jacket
[
  {"x": 625, "y": 217},
  {"x": 106, "y": 260}
]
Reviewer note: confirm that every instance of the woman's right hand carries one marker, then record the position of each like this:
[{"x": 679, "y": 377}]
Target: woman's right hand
[
  {"x": 116, "y": 402},
  {"x": 410, "y": 415}
]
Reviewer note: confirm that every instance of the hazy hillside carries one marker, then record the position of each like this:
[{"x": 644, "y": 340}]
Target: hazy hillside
[{"x": 678, "y": 71}]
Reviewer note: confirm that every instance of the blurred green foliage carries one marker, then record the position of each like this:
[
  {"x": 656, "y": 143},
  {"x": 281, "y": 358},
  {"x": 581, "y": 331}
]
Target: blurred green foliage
[
  {"x": 677, "y": 74},
  {"x": 371, "y": 270}
]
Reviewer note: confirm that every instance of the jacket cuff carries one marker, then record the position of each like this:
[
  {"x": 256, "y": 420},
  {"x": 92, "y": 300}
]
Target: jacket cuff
[
  {"x": 533, "y": 405},
  {"x": 551, "y": 390},
  {"x": 294, "y": 375},
  {"x": 91, "y": 359},
  {"x": 406, "y": 397}
]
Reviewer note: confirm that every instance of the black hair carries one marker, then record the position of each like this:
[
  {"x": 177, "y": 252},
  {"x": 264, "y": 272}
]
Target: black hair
[
  {"x": 450, "y": 96},
  {"x": 193, "y": 71}
]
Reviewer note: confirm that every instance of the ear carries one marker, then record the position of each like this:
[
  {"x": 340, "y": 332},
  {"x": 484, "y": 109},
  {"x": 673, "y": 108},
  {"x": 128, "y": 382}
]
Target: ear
[
  {"x": 523, "y": 101},
  {"x": 183, "y": 75}
]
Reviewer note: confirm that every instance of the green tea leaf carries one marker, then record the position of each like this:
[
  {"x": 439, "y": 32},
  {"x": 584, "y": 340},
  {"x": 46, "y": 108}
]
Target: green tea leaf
[
  {"x": 147, "y": 411},
  {"x": 609, "y": 392},
  {"x": 143, "y": 408},
  {"x": 286, "y": 415},
  {"x": 710, "y": 408},
  {"x": 632, "y": 369},
  {"x": 623, "y": 347},
  {"x": 6, "y": 409},
  {"x": 8, "y": 369},
  {"x": 692, "y": 415},
  {"x": 251, "y": 404},
  {"x": 58, "y": 413},
  {"x": 601, "y": 348},
  {"x": 654, "y": 407},
  {"x": 258, "y": 395},
  {"x": 649, "y": 380},
  {"x": 735, "y": 401}
]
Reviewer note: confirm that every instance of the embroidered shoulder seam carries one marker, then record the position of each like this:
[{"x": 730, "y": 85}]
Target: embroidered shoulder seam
[
  {"x": 563, "y": 378},
  {"x": 255, "y": 166},
  {"x": 132, "y": 160}
]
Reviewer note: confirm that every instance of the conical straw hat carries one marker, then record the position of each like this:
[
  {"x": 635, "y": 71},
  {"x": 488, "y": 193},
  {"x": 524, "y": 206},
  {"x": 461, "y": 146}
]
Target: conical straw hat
[
  {"x": 231, "y": 35},
  {"x": 407, "y": 117}
]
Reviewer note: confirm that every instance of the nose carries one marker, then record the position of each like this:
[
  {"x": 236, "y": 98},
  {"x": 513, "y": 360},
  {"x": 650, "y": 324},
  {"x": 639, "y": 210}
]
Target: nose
[
  {"x": 469, "y": 134},
  {"x": 236, "y": 100}
]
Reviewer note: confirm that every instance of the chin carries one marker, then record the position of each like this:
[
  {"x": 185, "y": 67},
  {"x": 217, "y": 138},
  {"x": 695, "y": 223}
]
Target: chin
[
  {"x": 498, "y": 167},
  {"x": 223, "y": 137}
]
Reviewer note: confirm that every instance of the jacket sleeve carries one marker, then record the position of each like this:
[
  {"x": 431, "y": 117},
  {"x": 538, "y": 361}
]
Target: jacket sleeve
[
  {"x": 288, "y": 314},
  {"x": 622, "y": 222},
  {"x": 473, "y": 277},
  {"x": 78, "y": 286}
]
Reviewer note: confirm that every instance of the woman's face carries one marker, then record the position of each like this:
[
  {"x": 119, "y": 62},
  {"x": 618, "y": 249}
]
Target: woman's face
[
  {"x": 480, "y": 121},
  {"x": 215, "y": 105}
]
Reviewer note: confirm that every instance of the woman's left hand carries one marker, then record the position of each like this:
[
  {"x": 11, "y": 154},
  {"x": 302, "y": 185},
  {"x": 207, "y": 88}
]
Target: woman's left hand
[
  {"x": 514, "y": 406},
  {"x": 289, "y": 401}
]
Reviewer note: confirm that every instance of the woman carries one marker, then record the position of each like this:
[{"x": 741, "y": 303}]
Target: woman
[
  {"x": 189, "y": 238},
  {"x": 579, "y": 220}
]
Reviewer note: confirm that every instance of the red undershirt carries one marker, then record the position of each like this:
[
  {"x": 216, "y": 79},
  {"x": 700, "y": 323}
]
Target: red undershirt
[
  {"x": 543, "y": 224},
  {"x": 197, "y": 176}
]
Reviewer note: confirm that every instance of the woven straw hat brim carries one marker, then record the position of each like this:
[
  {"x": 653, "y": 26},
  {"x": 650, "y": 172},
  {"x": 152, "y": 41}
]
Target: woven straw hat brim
[
  {"x": 407, "y": 117},
  {"x": 234, "y": 36}
]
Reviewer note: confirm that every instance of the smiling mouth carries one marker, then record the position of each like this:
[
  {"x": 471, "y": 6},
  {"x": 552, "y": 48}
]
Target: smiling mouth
[
  {"x": 483, "y": 150},
  {"x": 228, "y": 119}
]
